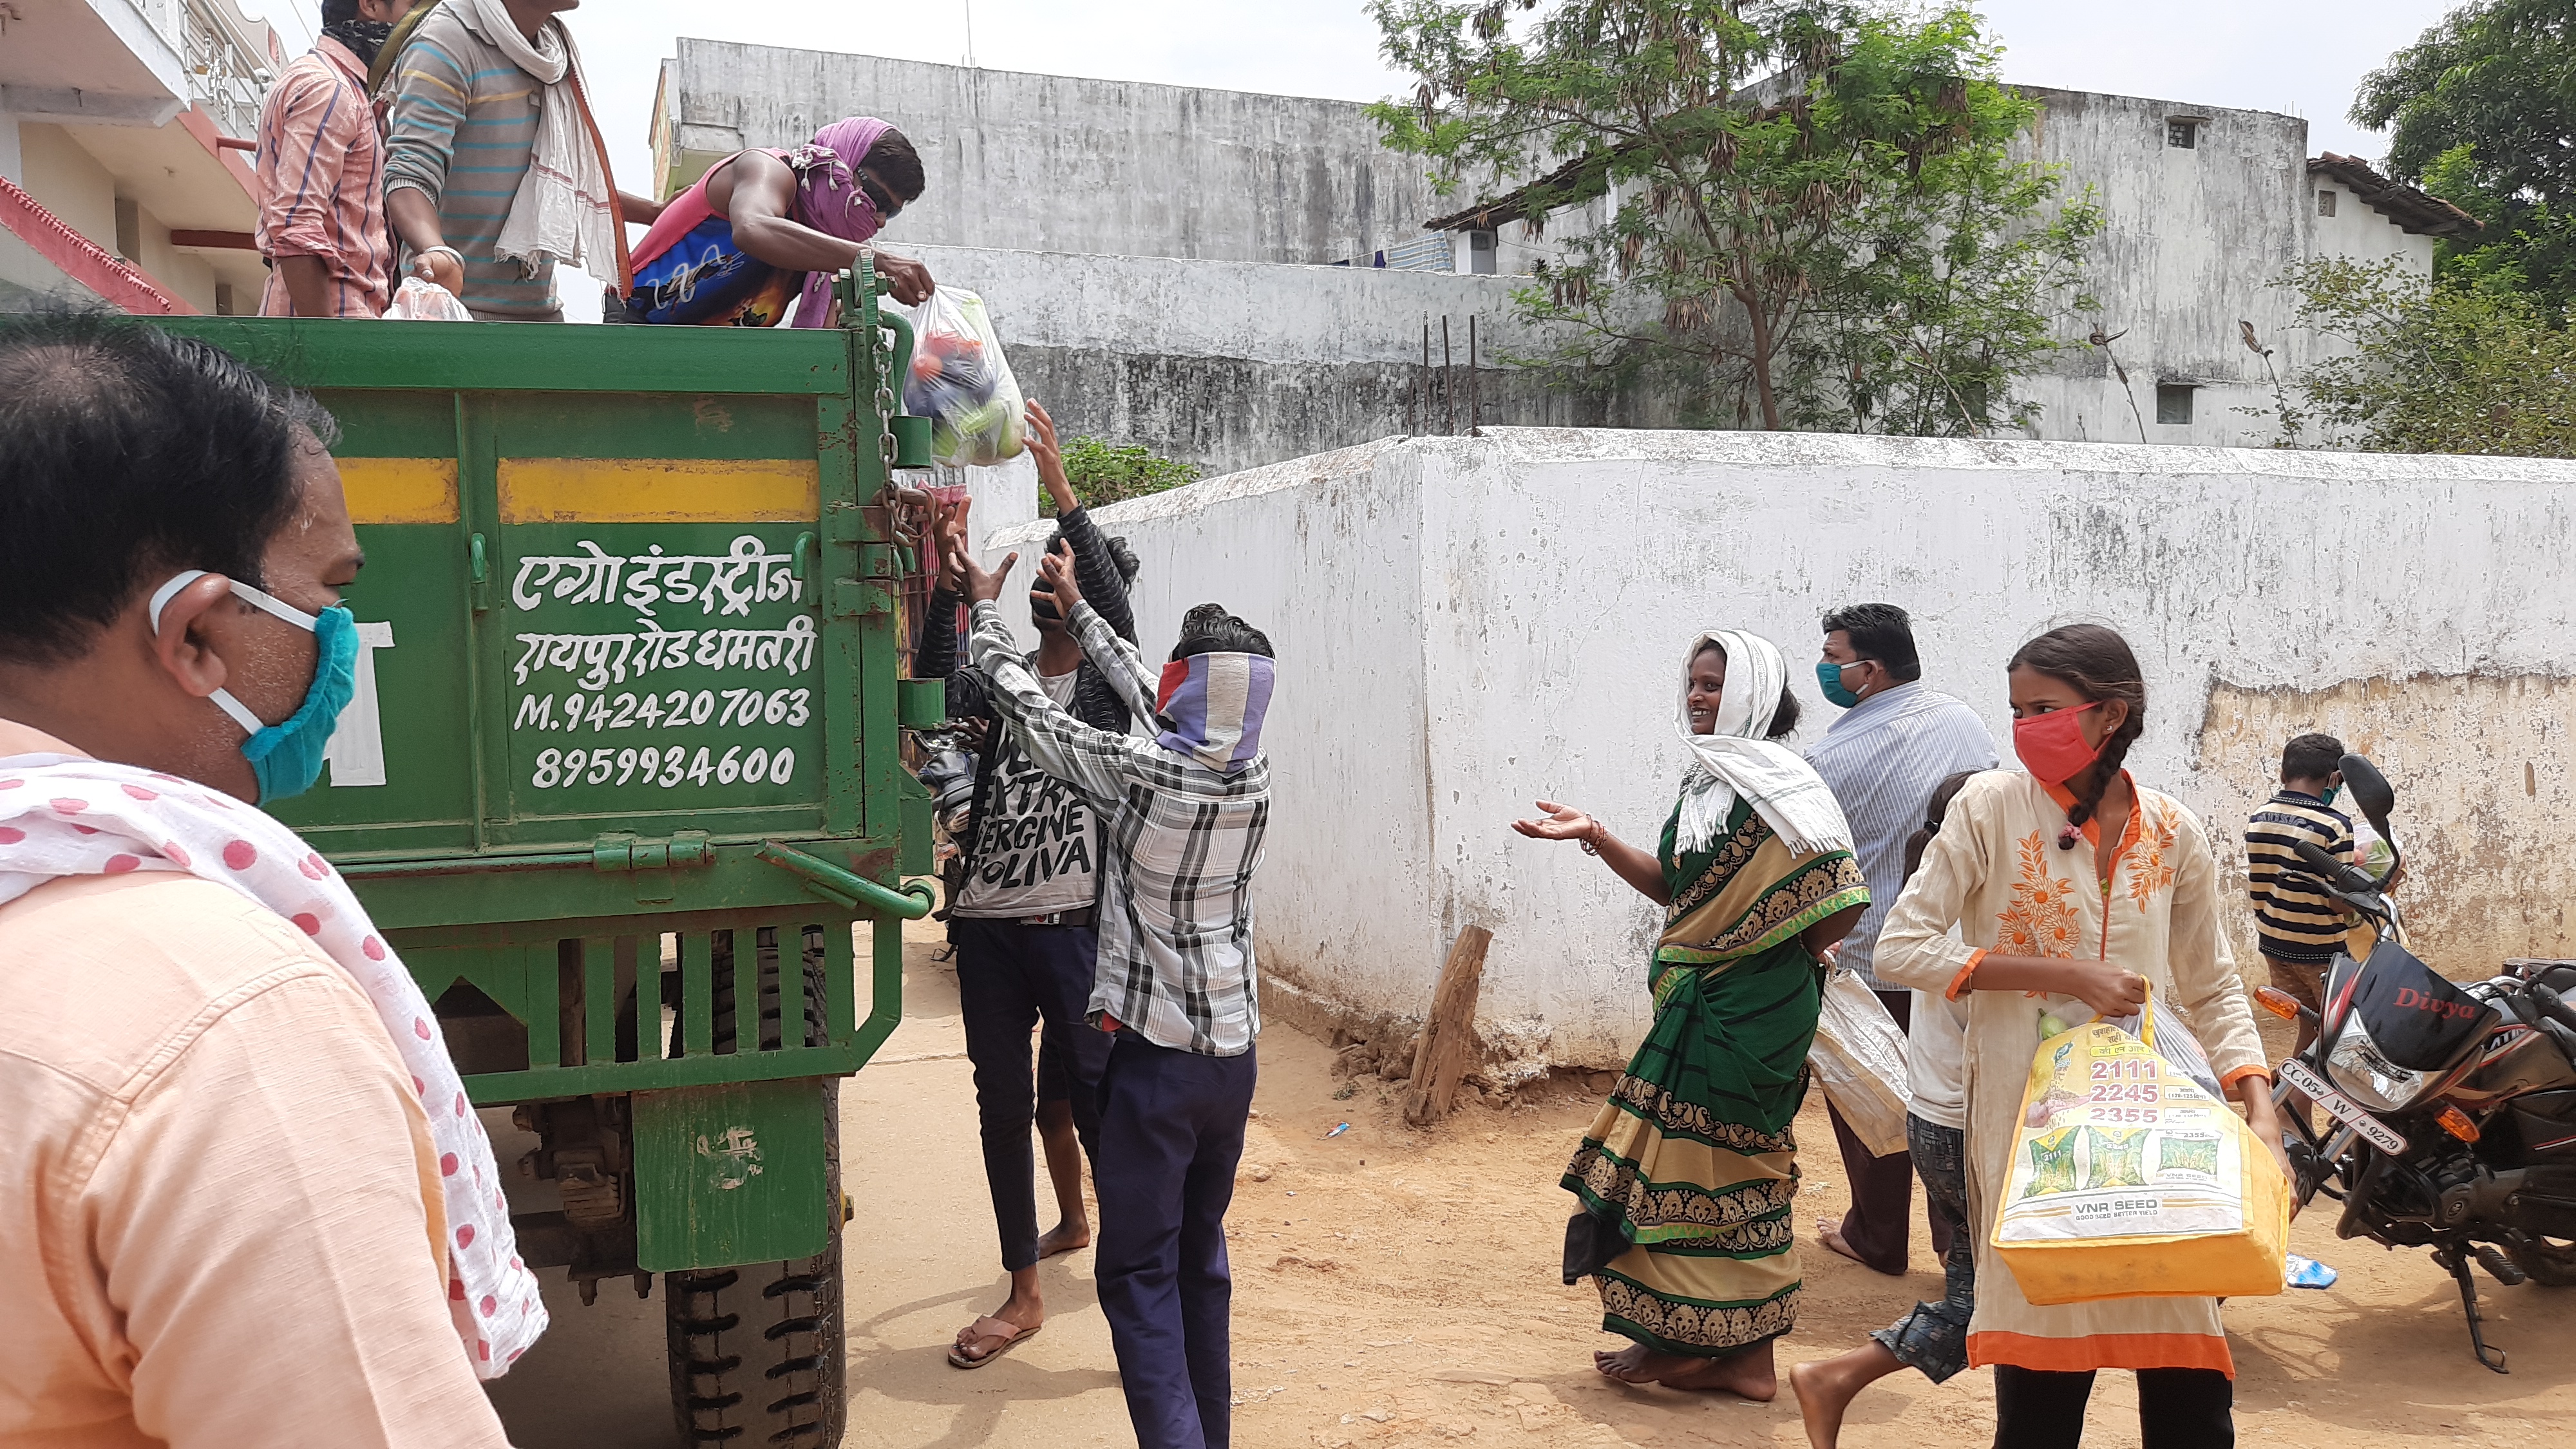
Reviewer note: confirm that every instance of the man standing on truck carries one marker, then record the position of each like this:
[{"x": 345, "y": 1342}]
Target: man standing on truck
[
  {"x": 1025, "y": 923},
  {"x": 1175, "y": 986},
  {"x": 494, "y": 167},
  {"x": 322, "y": 173},
  {"x": 240, "y": 1189}
]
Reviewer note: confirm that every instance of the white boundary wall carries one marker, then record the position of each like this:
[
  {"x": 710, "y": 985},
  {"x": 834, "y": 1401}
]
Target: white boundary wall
[{"x": 1465, "y": 624}]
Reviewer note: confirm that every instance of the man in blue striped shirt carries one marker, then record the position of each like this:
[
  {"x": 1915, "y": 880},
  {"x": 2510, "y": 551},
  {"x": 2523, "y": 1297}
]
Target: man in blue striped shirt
[{"x": 1895, "y": 742}]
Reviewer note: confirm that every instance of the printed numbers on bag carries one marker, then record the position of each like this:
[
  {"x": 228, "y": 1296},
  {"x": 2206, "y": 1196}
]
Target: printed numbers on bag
[
  {"x": 2138, "y": 1116},
  {"x": 666, "y": 768},
  {"x": 2127, "y": 1091},
  {"x": 2139, "y": 1069}
]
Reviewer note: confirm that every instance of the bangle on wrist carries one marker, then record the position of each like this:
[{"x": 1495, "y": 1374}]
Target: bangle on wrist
[{"x": 1590, "y": 840}]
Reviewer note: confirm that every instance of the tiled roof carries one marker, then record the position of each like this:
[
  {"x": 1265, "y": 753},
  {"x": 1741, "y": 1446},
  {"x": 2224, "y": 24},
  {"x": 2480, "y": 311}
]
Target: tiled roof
[{"x": 2414, "y": 210}]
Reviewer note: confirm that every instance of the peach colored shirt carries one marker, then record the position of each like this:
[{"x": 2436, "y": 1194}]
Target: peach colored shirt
[{"x": 220, "y": 1218}]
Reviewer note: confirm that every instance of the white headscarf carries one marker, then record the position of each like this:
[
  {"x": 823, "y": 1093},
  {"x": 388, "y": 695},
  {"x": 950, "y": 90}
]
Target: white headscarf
[
  {"x": 566, "y": 207},
  {"x": 1738, "y": 760}
]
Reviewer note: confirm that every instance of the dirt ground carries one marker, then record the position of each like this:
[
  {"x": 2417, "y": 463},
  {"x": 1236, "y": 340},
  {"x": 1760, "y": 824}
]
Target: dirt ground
[{"x": 1395, "y": 1287}]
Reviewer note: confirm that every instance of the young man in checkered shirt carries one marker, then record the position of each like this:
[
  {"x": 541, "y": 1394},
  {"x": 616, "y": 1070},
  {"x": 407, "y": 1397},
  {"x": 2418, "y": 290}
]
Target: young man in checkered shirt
[{"x": 1185, "y": 813}]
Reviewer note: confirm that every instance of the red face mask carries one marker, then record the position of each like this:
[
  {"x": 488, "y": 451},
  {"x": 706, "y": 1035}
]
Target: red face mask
[{"x": 2052, "y": 745}]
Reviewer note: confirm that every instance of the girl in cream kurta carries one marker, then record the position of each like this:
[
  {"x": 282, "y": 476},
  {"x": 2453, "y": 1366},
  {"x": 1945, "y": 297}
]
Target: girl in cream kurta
[
  {"x": 1996, "y": 872},
  {"x": 2075, "y": 891}
]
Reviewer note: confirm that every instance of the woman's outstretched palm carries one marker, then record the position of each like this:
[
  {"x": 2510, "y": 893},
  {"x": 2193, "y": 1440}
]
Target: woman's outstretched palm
[{"x": 1561, "y": 822}]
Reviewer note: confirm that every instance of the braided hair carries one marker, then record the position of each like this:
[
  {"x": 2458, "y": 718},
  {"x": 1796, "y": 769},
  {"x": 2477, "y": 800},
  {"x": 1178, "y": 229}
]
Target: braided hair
[
  {"x": 1935, "y": 811},
  {"x": 2098, "y": 664}
]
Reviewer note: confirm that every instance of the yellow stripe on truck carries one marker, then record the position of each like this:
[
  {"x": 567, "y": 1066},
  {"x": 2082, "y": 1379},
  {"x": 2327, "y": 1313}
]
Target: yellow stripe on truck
[
  {"x": 399, "y": 490},
  {"x": 660, "y": 490}
]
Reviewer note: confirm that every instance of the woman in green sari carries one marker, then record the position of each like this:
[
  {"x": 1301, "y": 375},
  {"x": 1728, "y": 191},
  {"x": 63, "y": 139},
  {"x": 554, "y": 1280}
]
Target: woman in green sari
[{"x": 1685, "y": 1178}]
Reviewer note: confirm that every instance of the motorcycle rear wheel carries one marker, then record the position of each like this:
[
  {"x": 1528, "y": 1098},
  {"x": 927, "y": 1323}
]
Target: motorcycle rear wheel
[{"x": 2546, "y": 1261}]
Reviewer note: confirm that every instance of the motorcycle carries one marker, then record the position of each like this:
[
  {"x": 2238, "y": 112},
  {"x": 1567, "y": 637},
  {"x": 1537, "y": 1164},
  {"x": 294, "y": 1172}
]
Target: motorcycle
[{"x": 2452, "y": 1107}]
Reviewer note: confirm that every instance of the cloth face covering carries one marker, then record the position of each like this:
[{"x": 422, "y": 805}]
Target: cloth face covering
[
  {"x": 830, "y": 199},
  {"x": 61, "y": 815},
  {"x": 1829, "y": 678},
  {"x": 1212, "y": 706},
  {"x": 2052, "y": 745},
  {"x": 286, "y": 757},
  {"x": 363, "y": 37},
  {"x": 1738, "y": 760}
]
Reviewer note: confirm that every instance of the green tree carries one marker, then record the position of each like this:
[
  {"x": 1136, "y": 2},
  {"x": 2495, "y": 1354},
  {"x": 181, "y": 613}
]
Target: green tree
[
  {"x": 2481, "y": 111},
  {"x": 1814, "y": 220},
  {"x": 1103, "y": 472},
  {"x": 2434, "y": 366}
]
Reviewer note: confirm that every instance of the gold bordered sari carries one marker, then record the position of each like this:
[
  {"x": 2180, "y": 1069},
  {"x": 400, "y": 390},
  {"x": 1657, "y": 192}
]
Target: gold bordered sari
[{"x": 1686, "y": 1175}]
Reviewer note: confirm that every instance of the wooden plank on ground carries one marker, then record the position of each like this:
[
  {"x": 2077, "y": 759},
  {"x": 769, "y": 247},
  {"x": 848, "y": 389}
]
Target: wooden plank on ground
[{"x": 1448, "y": 1042}]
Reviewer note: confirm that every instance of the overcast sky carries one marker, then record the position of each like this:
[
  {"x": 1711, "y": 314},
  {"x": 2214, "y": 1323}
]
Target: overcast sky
[{"x": 2297, "y": 56}]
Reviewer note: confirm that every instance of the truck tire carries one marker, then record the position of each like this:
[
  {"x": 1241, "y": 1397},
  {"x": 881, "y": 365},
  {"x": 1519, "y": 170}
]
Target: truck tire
[{"x": 758, "y": 1352}]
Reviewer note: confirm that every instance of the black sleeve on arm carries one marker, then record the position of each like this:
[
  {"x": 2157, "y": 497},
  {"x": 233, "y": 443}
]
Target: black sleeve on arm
[
  {"x": 1095, "y": 568},
  {"x": 936, "y": 658}
]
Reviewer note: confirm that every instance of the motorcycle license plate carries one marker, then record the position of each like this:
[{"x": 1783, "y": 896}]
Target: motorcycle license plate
[{"x": 2342, "y": 1108}]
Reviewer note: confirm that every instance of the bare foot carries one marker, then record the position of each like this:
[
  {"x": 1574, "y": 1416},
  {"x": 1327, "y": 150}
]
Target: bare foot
[
  {"x": 1747, "y": 1375},
  {"x": 1831, "y": 1235},
  {"x": 1064, "y": 1238},
  {"x": 1638, "y": 1364},
  {"x": 1825, "y": 1389}
]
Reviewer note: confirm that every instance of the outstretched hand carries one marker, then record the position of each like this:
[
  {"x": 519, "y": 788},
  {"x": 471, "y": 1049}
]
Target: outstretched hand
[
  {"x": 1056, "y": 571},
  {"x": 948, "y": 531},
  {"x": 1561, "y": 822}
]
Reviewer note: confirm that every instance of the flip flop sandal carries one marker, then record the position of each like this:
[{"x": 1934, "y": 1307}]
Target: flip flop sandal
[{"x": 1011, "y": 1335}]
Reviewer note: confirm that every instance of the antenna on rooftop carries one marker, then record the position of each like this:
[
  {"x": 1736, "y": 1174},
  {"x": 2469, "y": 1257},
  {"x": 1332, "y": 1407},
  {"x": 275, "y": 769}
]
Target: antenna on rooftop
[{"x": 970, "y": 33}]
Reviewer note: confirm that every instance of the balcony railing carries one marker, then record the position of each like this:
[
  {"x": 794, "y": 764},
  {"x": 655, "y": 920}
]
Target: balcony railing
[{"x": 227, "y": 74}]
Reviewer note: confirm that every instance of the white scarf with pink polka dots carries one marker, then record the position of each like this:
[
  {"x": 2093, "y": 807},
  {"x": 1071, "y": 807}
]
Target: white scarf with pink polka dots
[{"x": 64, "y": 815}]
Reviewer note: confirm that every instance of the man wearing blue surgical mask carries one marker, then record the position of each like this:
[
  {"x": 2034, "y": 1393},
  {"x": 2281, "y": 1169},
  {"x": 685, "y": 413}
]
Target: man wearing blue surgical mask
[
  {"x": 217, "y": 1157},
  {"x": 1895, "y": 742}
]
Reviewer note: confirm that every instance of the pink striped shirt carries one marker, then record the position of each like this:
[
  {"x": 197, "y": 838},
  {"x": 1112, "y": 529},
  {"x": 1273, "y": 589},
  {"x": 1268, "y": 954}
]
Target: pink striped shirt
[{"x": 322, "y": 183}]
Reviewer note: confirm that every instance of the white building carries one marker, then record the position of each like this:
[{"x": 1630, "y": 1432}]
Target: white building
[
  {"x": 126, "y": 133},
  {"x": 2204, "y": 209}
]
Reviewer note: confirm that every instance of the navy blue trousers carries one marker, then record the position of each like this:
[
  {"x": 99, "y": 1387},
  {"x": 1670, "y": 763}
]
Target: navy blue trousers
[
  {"x": 1171, "y": 1132},
  {"x": 1010, "y": 978}
]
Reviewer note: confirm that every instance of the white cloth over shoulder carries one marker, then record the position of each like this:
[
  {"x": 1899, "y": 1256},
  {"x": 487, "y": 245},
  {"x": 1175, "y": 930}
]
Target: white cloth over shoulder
[
  {"x": 1739, "y": 761},
  {"x": 566, "y": 206},
  {"x": 65, "y": 815}
]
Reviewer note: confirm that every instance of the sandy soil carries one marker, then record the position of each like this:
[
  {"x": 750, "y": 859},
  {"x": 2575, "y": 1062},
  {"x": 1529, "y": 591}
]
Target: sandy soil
[
  {"x": 1398, "y": 1288},
  {"x": 1395, "y": 1287}
]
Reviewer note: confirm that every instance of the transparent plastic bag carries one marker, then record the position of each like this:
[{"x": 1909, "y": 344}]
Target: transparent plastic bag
[
  {"x": 423, "y": 301},
  {"x": 1859, "y": 1059},
  {"x": 961, "y": 381}
]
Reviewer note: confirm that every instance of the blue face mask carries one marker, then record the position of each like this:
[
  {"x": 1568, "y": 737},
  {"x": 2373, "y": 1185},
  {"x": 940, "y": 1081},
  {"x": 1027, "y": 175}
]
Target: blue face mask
[
  {"x": 1829, "y": 678},
  {"x": 286, "y": 758}
]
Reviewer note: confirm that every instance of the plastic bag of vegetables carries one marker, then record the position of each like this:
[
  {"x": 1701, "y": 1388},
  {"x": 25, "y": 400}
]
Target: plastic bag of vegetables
[{"x": 961, "y": 381}]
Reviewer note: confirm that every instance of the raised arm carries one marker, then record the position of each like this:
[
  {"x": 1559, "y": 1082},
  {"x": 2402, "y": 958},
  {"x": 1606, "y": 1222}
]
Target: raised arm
[
  {"x": 1115, "y": 658},
  {"x": 1094, "y": 566},
  {"x": 1638, "y": 868},
  {"x": 1093, "y": 761}
]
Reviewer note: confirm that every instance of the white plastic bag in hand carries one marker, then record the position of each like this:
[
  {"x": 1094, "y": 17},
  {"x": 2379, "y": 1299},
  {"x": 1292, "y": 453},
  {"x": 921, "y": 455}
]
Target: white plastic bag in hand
[
  {"x": 424, "y": 301},
  {"x": 1859, "y": 1059}
]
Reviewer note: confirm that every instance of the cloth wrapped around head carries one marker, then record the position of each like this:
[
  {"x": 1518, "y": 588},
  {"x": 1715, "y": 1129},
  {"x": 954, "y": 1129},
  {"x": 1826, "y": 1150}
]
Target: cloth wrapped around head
[
  {"x": 1211, "y": 707},
  {"x": 830, "y": 199},
  {"x": 1740, "y": 759}
]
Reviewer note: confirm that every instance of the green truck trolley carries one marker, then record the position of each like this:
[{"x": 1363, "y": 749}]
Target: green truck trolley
[{"x": 622, "y": 776}]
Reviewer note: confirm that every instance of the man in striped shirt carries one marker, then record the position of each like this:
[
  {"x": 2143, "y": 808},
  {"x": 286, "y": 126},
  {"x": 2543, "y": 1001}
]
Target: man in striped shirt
[
  {"x": 1896, "y": 741},
  {"x": 461, "y": 134},
  {"x": 322, "y": 174},
  {"x": 1185, "y": 812},
  {"x": 2297, "y": 927}
]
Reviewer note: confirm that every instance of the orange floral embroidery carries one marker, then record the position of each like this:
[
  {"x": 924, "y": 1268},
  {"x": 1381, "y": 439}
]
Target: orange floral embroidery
[
  {"x": 2151, "y": 859},
  {"x": 2041, "y": 919}
]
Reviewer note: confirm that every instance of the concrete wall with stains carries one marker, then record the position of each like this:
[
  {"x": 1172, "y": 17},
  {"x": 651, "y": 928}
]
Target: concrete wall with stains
[
  {"x": 1467, "y": 624},
  {"x": 1231, "y": 365}
]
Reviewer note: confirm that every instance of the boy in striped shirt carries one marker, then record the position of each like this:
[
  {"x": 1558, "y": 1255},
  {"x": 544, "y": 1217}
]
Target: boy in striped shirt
[{"x": 2298, "y": 927}]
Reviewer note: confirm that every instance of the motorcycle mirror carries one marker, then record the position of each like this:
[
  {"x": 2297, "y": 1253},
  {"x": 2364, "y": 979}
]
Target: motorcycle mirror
[{"x": 2370, "y": 790}]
